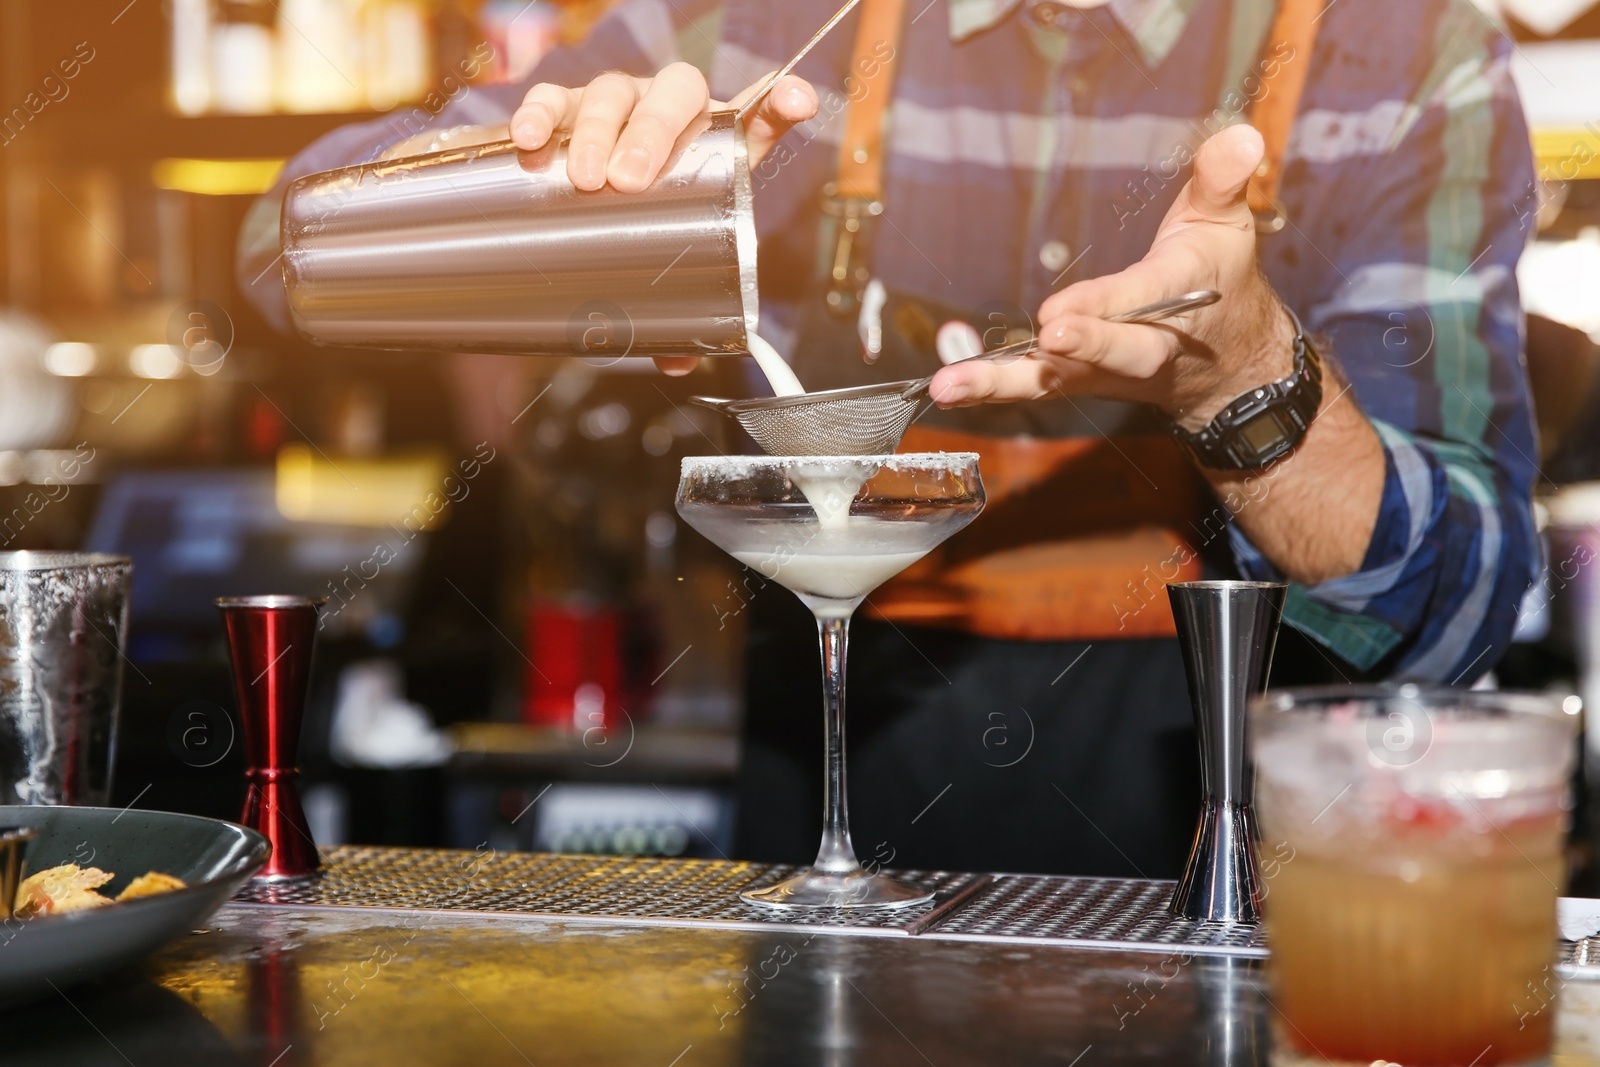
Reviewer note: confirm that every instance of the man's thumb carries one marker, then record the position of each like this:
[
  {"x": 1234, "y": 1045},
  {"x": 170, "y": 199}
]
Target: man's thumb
[{"x": 1223, "y": 168}]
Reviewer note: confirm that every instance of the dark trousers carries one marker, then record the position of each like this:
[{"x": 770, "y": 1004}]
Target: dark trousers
[{"x": 969, "y": 753}]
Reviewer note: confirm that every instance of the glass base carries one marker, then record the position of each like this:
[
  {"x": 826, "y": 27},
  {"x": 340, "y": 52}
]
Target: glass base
[{"x": 818, "y": 889}]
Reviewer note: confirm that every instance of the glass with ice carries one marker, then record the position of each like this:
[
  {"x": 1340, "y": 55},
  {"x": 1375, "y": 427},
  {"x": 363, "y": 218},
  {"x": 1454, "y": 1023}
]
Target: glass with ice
[
  {"x": 1411, "y": 910},
  {"x": 831, "y": 530}
]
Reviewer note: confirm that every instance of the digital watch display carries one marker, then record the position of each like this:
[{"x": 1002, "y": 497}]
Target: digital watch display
[{"x": 1266, "y": 423}]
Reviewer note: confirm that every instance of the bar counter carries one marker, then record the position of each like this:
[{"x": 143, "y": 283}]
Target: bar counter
[{"x": 431, "y": 957}]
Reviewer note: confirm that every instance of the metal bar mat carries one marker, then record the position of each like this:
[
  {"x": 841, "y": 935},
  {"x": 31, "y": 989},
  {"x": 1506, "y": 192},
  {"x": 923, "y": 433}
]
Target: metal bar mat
[
  {"x": 1579, "y": 959},
  {"x": 1093, "y": 912}
]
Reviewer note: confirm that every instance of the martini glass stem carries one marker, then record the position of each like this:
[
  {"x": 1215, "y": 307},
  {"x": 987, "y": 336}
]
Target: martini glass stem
[{"x": 836, "y": 856}]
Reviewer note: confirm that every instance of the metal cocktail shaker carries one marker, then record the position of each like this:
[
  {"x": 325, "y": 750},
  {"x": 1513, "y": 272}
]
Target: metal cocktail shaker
[
  {"x": 491, "y": 249},
  {"x": 63, "y": 628}
]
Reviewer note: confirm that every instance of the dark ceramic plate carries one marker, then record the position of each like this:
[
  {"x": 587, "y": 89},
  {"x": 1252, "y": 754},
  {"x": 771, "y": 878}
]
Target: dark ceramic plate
[{"x": 214, "y": 858}]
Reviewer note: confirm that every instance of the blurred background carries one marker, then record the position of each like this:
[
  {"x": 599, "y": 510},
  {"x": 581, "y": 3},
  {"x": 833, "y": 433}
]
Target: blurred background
[
  {"x": 496, "y": 536},
  {"x": 523, "y": 645}
]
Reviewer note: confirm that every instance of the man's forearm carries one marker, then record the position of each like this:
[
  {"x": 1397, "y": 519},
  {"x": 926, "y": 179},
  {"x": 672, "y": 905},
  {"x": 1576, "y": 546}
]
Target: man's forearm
[{"x": 1313, "y": 512}]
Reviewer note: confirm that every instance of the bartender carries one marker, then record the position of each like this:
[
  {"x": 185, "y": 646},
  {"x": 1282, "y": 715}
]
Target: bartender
[{"x": 1352, "y": 416}]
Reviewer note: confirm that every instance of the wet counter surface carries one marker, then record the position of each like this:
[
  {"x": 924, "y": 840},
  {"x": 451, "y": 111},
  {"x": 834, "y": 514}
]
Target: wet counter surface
[
  {"x": 395, "y": 956},
  {"x": 287, "y": 986}
]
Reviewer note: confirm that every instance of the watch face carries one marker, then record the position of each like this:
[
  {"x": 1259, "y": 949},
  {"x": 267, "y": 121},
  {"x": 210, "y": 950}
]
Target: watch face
[{"x": 1263, "y": 434}]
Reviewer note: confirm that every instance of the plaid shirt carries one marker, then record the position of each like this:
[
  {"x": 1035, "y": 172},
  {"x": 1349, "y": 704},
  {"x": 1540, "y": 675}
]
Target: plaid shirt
[{"x": 1017, "y": 124}]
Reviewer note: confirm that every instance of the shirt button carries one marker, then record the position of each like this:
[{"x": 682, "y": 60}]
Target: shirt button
[
  {"x": 1053, "y": 255},
  {"x": 1049, "y": 13}
]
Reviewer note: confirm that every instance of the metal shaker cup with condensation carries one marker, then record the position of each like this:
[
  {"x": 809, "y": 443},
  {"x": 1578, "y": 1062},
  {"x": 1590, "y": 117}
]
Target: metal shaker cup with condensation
[
  {"x": 63, "y": 641},
  {"x": 491, "y": 249}
]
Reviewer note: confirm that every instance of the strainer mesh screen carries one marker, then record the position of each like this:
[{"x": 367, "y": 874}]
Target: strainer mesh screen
[{"x": 845, "y": 426}]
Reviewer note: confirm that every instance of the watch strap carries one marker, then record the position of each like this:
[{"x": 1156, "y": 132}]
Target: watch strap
[{"x": 1264, "y": 424}]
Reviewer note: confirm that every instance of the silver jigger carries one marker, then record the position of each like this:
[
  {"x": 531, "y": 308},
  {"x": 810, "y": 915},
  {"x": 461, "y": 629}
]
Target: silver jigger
[{"x": 1227, "y": 631}]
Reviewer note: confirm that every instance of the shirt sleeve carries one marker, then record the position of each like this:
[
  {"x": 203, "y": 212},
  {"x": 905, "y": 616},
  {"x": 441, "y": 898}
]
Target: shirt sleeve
[
  {"x": 1423, "y": 313},
  {"x": 636, "y": 36}
]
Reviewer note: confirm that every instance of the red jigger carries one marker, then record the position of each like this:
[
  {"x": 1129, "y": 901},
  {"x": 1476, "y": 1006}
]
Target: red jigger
[{"x": 270, "y": 639}]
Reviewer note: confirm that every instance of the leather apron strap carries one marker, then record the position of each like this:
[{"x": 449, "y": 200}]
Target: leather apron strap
[
  {"x": 860, "y": 173},
  {"x": 855, "y": 197},
  {"x": 1288, "y": 51}
]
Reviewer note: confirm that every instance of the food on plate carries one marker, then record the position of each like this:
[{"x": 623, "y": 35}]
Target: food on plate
[
  {"x": 149, "y": 884},
  {"x": 60, "y": 890},
  {"x": 69, "y": 888}
]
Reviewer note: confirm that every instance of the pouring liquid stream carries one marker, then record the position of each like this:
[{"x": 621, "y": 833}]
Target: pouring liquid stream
[
  {"x": 830, "y": 496},
  {"x": 779, "y": 374}
]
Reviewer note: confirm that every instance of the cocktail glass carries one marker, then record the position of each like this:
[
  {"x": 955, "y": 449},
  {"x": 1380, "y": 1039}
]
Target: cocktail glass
[
  {"x": 831, "y": 530},
  {"x": 1412, "y": 855}
]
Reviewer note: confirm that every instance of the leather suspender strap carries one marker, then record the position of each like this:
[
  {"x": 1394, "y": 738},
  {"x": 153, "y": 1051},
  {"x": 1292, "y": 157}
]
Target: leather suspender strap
[
  {"x": 1287, "y": 55},
  {"x": 855, "y": 196},
  {"x": 869, "y": 85},
  {"x": 858, "y": 189}
]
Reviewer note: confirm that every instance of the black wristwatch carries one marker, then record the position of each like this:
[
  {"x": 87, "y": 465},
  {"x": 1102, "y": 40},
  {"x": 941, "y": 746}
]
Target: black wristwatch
[{"x": 1266, "y": 423}]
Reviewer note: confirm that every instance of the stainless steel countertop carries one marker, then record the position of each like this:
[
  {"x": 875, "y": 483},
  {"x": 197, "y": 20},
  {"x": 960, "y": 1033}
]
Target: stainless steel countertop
[
  {"x": 421, "y": 957},
  {"x": 287, "y": 986}
]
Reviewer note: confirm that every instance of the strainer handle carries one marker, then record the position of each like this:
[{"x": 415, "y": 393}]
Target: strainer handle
[
  {"x": 1165, "y": 309},
  {"x": 1140, "y": 316}
]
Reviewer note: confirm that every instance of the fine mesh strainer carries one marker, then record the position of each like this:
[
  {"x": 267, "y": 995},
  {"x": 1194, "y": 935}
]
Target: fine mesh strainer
[{"x": 868, "y": 420}]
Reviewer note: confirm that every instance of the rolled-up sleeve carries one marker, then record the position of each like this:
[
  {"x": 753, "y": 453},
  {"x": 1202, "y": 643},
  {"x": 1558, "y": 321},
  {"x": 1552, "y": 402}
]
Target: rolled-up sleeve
[
  {"x": 636, "y": 36},
  {"x": 1421, "y": 309}
]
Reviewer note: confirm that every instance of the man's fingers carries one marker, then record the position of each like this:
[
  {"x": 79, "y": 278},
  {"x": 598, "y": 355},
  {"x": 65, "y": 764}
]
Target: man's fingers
[
  {"x": 1182, "y": 259},
  {"x": 676, "y": 366},
  {"x": 1122, "y": 349},
  {"x": 1110, "y": 295},
  {"x": 1100, "y": 359},
  {"x": 623, "y": 128},
  {"x": 603, "y": 109},
  {"x": 546, "y": 109},
  {"x": 675, "y": 98},
  {"x": 978, "y": 381},
  {"x": 1222, "y": 171},
  {"x": 792, "y": 100}
]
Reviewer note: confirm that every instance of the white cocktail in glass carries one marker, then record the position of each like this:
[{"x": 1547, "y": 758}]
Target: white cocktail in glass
[{"x": 831, "y": 530}]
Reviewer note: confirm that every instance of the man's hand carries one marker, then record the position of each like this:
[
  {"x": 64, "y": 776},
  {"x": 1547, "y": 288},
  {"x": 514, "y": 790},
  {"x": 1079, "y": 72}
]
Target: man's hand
[
  {"x": 1190, "y": 366},
  {"x": 1317, "y": 517},
  {"x": 623, "y": 128}
]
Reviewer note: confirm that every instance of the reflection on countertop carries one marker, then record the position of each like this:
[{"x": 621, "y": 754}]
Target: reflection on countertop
[
  {"x": 300, "y": 986},
  {"x": 282, "y": 986}
]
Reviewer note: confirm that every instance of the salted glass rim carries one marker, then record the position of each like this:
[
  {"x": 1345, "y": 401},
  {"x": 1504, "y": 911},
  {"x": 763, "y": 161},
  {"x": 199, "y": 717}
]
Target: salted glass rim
[
  {"x": 743, "y": 466},
  {"x": 1315, "y": 702},
  {"x": 59, "y": 560},
  {"x": 1511, "y": 746}
]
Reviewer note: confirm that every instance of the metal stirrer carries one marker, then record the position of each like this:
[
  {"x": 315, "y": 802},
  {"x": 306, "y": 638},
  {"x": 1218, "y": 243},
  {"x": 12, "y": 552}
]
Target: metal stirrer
[{"x": 869, "y": 420}]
